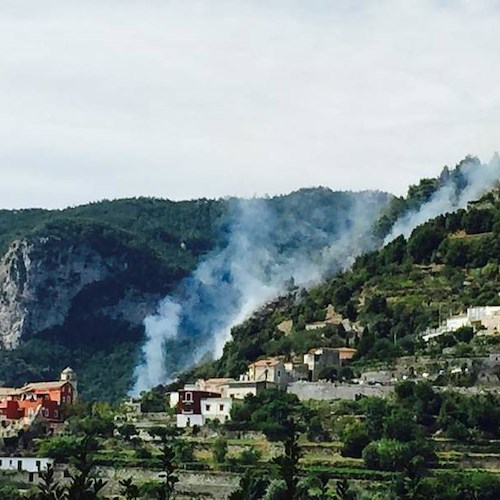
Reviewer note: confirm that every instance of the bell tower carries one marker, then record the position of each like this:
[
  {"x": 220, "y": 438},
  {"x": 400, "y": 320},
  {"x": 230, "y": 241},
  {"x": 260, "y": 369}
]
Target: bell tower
[{"x": 69, "y": 375}]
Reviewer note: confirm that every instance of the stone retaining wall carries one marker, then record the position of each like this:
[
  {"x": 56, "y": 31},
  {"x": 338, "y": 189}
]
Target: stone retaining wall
[{"x": 331, "y": 390}]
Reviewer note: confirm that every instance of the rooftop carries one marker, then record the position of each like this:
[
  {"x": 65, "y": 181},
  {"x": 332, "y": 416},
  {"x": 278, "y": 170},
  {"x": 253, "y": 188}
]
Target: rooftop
[
  {"x": 43, "y": 385},
  {"x": 263, "y": 363}
]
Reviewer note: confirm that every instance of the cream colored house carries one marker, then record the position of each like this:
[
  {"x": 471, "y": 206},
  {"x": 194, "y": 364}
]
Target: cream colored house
[
  {"x": 240, "y": 389},
  {"x": 268, "y": 370}
]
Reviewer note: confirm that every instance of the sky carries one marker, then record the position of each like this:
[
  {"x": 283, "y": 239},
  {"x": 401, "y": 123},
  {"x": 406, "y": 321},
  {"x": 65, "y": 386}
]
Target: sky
[{"x": 183, "y": 99}]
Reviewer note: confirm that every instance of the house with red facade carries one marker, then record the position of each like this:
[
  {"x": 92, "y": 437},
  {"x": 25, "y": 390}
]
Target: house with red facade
[
  {"x": 195, "y": 407},
  {"x": 38, "y": 400}
]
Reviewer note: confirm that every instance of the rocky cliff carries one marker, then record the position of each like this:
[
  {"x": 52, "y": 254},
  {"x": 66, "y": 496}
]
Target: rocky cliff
[{"x": 41, "y": 277}]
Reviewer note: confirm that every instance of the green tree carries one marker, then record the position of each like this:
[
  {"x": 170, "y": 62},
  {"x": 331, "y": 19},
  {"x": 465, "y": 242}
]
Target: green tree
[
  {"x": 288, "y": 464},
  {"x": 219, "y": 450},
  {"x": 49, "y": 488},
  {"x": 354, "y": 438},
  {"x": 127, "y": 431},
  {"x": 165, "y": 490},
  {"x": 128, "y": 489},
  {"x": 343, "y": 490},
  {"x": 401, "y": 425},
  {"x": 251, "y": 487},
  {"x": 83, "y": 484}
]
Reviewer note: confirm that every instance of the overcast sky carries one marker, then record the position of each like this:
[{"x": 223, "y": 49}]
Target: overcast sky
[{"x": 182, "y": 99}]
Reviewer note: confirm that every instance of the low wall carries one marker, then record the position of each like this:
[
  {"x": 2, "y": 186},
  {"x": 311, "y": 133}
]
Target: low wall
[
  {"x": 331, "y": 390},
  {"x": 216, "y": 485}
]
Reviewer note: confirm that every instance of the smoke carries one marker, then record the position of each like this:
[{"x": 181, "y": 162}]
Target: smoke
[
  {"x": 468, "y": 182},
  {"x": 270, "y": 243}
]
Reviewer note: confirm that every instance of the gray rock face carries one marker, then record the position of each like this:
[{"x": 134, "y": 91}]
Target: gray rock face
[{"x": 40, "y": 278}]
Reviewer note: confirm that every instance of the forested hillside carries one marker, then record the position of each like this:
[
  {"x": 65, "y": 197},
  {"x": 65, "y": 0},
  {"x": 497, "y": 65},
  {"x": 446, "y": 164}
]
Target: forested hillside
[
  {"x": 76, "y": 284},
  {"x": 388, "y": 296}
]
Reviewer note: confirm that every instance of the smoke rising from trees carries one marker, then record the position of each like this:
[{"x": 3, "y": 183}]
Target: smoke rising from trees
[
  {"x": 271, "y": 243},
  {"x": 465, "y": 184}
]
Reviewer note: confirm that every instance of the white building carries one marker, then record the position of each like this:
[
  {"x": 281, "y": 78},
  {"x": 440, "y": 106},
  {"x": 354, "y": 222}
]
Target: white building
[
  {"x": 488, "y": 317},
  {"x": 25, "y": 464},
  {"x": 210, "y": 409},
  {"x": 216, "y": 409},
  {"x": 240, "y": 389}
]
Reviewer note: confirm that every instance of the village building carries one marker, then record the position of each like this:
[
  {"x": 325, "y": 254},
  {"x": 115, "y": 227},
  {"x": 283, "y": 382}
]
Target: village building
[
  {"x": 297, "y": 371},
  {"x": 26, "y": 468},
  {"x": 240, "y": 389},
  {"x": 346, "y": 355},
  {"x": 37, "y": 400},
  {"x": 196, "y": 407},
  {"x": 268, "y": 370},
  {"x": 213, "y": 384},
  {"x": 484, "y": 319},
  {"x": 320, "y": 359}
]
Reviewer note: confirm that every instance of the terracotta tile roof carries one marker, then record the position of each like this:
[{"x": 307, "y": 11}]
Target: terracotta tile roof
[
  {"x": 217, "y": 380},
  {"x": 43, "y": 385},
  {"x": 262, "y": 363}
]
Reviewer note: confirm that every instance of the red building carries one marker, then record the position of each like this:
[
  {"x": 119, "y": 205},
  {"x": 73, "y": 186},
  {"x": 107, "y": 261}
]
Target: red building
[{"x": 45, "y": 400}]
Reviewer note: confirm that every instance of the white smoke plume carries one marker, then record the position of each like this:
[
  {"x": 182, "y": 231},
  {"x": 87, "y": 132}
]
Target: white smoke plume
[
  {"x": 476, "y": 179},
  {"x": 270, "y": 243}
]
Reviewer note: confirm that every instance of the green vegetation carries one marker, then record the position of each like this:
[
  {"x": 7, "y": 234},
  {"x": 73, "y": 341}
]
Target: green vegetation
[
  {"x": 150, "y": 246},
  {"x": 448, "y": 264}
]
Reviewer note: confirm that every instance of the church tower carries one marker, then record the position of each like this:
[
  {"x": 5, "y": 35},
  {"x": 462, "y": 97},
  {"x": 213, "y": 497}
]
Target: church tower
[{"x": 69, "y": 375}]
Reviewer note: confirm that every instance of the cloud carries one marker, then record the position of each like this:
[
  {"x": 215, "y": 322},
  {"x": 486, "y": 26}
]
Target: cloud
[{"x": 192, "y": 98}]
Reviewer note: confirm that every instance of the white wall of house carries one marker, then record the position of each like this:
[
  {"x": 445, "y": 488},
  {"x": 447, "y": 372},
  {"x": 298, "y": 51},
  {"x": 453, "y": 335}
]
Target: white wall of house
[
  {"x": 26, "y": 464},
  {"x": 173, "y": 399},
  {"x": 189, "y": 420},
  {"x": 457, "y": 322},
  {"x": 239, "y": 391},
  {"x": 216, "y": 409},
  {"x": 478, "y": 313}
]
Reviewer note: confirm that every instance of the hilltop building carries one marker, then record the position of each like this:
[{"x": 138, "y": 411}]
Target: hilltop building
[
  {"x": 484, "y": 319},
  {"x": 323, "y": 358},
  {"x": 268, "y": 370}
]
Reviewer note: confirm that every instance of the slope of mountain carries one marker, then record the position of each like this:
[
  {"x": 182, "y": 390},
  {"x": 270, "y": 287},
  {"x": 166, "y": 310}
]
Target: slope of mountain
[
  {"x": 76, "y": 284},
  {"x": 386, "y": 298}
]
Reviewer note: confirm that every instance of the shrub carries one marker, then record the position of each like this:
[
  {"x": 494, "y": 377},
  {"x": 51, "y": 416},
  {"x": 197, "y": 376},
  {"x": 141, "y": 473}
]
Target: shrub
[{"x": 355, "y": 438}]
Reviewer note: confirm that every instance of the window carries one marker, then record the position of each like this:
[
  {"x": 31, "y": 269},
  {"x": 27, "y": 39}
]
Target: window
[
  {"x": 31, "y": 477},
  {"x": 207, "y": 407},
  {"x": 279, "y": 373},
  {"x": 56, "y": 414},
  {"x": 221, "y": 407},
  {"x": 19, "y": 465},
  {"x": 188, "y": 396}
]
